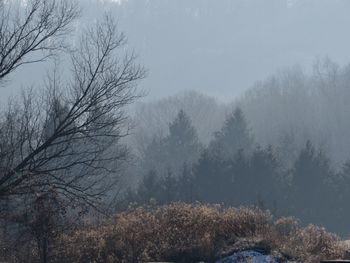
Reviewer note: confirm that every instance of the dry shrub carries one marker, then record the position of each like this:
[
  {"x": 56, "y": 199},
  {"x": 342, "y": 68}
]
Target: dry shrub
[
  {"x": 309, "y": 244},
  {"x": 246, "y": 222},
  {"x": 190, "y": 233},
  {"x": 126, "y": 238},
  {"x": 313, "y": 243}
]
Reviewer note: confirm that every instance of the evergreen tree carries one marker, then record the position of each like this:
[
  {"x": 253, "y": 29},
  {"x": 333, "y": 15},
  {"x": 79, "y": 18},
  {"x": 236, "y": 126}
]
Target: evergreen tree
[
  {"x": 213, "y": 179},
  {"x": 168, "y": 186},
  {"x": 179, "y": 147},
  {"x": 240, "y": 178},
  {"x": 233, "y": 136},
  {"x": 182, "y": 142},
  {"x": 311, "y": 176},
  {"x": 149, "y": 189},
  {"x": 339, "y": 199},
  {"x": 186, "y": 185},
  {"x": 265, "y": 173},
  {"x": 155, "y": 157},
  {"x": 256, "y": 178}
]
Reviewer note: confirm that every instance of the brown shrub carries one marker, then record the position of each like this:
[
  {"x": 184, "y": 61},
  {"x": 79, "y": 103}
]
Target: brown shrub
[{"x": 189, "y": 233}]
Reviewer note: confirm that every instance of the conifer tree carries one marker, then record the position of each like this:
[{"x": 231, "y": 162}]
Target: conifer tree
[
  {"x": 233, "y": 136},
  {"x": 186, "y": 184},
  {"x": 149, "y": 188},
  {"x": 213, "y": 178},
  {"x": 311, "y": 176},
  {"x": 182, "y": 142},
  {"x": 179, "y": 147}
]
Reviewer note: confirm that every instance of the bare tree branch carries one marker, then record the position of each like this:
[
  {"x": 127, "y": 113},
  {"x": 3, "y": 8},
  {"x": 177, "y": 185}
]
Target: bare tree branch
[
  {"x": 69, "y": 139},
  {"x": 33, "y": 33}
]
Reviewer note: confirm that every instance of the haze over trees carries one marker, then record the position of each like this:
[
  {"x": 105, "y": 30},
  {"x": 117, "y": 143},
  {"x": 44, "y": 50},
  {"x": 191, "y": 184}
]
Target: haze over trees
[
  {"x": 77, "y": 149},
  {"x": 278, "y": 146}
]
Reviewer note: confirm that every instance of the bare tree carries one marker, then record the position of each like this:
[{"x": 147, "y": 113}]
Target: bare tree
[
  {"x": 30, "y": 31},
  {"x": 33, "y": 30},
  {"x": 61, "y": 148},
  {"x": 66, "y": 139}
]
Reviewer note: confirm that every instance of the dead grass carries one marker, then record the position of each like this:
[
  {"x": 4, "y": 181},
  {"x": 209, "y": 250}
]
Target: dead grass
[{"x": 191, "y": 233}]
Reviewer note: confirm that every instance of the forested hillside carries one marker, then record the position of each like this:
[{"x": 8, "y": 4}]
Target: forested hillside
[{"x": 283, "y": 145}]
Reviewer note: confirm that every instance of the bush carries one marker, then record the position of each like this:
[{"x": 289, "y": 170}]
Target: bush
[{"x": 191, "y": 233}]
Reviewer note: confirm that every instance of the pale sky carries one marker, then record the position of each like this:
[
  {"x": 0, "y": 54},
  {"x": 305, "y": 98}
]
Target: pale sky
[{"x": 219, "y": 47}]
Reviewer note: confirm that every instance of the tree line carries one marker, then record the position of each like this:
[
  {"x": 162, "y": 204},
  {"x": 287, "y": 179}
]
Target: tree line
[{"x": 233, "y": 169}]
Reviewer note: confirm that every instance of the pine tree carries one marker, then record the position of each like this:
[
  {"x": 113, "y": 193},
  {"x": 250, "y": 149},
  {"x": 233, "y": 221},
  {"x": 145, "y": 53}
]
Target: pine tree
[
  {"x": 311, "y": 175},
  {"x": 213, "y": 178},
  {"x": 179, "y": 147},
  {"x": 242, "y": 181},
  {"x": 149, "y": 189},
  {"x": 182, "y": 142},
  {"x": 185, "y": 185},
  {"x": 233, "y": 136},
  {"x": 169, "y": 188},
  {"x": 265, "y": 171},
  {"x": 155, "y": 156}
]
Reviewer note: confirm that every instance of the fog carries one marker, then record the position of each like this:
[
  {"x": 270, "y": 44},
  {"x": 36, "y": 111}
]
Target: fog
[
  {"x": 128, "y": 110},
  {"x": 222, "y": 47}
]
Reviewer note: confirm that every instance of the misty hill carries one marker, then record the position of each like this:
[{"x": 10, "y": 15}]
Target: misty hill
[{"x": 284, "y": 110}]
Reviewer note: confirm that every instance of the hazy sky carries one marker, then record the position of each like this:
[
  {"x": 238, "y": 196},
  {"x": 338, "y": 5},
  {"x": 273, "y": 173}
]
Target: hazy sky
[{"x": 220, "y": 47}]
